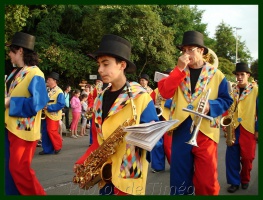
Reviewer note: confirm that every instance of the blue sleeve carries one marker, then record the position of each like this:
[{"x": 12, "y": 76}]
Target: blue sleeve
[
  {"x": 149, "y": 114},
  {"x": 28, "y": 107},
  {"x": 223, "y": 101},
  {"x": 57, "y": 106},
  {"x": 256, "y": 124}
]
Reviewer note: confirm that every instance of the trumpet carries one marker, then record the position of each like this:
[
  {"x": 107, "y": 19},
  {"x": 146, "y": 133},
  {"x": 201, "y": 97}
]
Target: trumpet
[{"x": 199, "y": 115}]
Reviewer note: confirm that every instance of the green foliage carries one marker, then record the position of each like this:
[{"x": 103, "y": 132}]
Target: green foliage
[
  {"x": 254, "y": 69},
  {"x": 227, "y": 68},
  {"x": 15, "y": 19},
  {"x": 65, "y": 34}
]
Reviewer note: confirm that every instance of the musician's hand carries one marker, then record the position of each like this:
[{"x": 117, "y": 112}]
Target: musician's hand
[
  {"x": 207, "y": 108},
  {"x": 7, "y": 102},
  {"x": 183, "y": 61}
]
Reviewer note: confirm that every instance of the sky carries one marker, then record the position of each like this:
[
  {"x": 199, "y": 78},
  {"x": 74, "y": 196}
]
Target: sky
[{"x": 241, "y": 16}]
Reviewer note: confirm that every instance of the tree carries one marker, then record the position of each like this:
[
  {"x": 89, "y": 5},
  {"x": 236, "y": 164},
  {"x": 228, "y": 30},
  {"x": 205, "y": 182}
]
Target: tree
[
  {"x": 226, "y": 44},
  {"x": 254, "y": 69}
]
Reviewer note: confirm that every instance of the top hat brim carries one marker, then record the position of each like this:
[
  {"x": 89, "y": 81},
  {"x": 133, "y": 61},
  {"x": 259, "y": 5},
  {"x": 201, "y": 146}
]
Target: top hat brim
[
  {"x": 131, "y": 67},
  {"x": 205, "y": 48},
  {"x": 235, "y": 72}
]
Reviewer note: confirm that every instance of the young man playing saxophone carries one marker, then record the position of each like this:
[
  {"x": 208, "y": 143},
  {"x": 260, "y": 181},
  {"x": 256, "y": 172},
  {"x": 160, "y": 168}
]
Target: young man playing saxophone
[
  {"x": 240, "y": 155},
  {"x": 112, "y": 108}
]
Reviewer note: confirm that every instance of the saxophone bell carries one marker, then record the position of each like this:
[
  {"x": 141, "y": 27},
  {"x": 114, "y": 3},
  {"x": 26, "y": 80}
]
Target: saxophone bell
[{"x": 227, "y": 122}]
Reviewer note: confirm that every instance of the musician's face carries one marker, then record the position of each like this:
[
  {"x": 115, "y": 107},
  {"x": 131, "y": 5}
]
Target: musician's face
[
  {"x": 143, "y": 82},
  {"x": 51, "y": 82},
  {"x": 16, "y": 56},
  {"x": 195, "y": 55},
  {"x": 242, "y": 78},
  {"x": 109, "y": 69}
]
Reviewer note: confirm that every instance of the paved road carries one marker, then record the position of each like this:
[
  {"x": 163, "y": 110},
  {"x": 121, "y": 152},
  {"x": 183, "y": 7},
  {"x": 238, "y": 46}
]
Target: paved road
[{"x": 55, "y": 171}]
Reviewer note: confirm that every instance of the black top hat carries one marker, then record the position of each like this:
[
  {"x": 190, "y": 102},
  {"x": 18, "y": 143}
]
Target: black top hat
[
  {"x": 242, "y": 67},
  {"x": 145, "y": 76},
  {"x": 23, "y": 40},
  {"x": 53, "y": 75},
  {"x": 193, "y": 38},
  {"x": 115, "y": 46}
]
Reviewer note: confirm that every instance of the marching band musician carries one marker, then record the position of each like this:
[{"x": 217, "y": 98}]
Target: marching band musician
[
  {"x": 51, "y": 139},
  {"x": 25, "y": 97},
  {"x": 240, "y": 155},
  {"x": 112, "y": 108},
  {"x": 194, "y": 169},
  {"x": 144, "y": 80}
]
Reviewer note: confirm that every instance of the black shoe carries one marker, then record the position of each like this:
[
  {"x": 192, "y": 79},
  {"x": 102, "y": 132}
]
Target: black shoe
[
  {"x": 233, "y": 188},
  {"x": 244, "y": 186},
  {"x": 39, "y": 143},
  {"x": 41, "y": 153},
  {"x": 156, "y": 171},
  {"x": 57, "y": 151}
]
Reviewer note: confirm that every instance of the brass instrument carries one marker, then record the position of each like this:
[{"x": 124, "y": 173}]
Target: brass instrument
[
  {"x": 228, "y": 121},
  {"x": 199, "y": 115},
  {"x": 88, "y": 114},
  {"x": 96, "y": 166},
  {"x": 211, "y": 58},
  {"x": 157, "y": 105}
]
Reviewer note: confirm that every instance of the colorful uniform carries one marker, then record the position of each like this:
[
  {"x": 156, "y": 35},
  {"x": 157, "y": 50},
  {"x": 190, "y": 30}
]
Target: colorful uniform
[
  {"x": 240, "y": 156},
  {"x": 194, "y": 169},
  {"x": 23, "y": 117},
  {"x": 51, "y": 139},
  {"x": 163, "y": 147},
  {"x": 129, "y": 164}
]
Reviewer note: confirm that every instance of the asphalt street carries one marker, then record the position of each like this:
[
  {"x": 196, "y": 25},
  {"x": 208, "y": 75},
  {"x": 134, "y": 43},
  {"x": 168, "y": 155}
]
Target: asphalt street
[{"x": 55, "y": 172}]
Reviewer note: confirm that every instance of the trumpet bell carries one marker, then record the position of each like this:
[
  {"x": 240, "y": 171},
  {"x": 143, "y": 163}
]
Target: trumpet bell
[{"x": 192, "y": 142}]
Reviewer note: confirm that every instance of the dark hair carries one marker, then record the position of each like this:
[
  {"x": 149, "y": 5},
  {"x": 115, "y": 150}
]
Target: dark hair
[
  {"x": 76, "y": 91},
  {"x": 30, "y": 57},
  {"x": 118, "y": 60},
  {"x": 67, "y": 86},
  {"x": 84, "y": 95}
]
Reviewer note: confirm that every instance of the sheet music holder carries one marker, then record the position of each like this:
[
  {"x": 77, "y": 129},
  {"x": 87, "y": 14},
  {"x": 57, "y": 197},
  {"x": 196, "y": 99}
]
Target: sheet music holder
[{"x": 148, "y": 134}]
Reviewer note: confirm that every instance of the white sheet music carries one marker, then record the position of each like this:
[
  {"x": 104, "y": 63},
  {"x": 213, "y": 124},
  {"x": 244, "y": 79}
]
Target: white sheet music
[{"x": 137, "y": 135}]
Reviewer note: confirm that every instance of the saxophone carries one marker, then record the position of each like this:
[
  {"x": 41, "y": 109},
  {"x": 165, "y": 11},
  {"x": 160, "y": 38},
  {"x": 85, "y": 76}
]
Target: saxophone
[
  {"x": 96, "y": 166},
  {"x": 228, "y": 121}
]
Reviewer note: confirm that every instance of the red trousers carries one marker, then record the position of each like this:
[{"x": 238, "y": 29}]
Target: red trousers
[
  {"x": 21, "y": 155},
  {"x": 53, "y": 133},
  {"x": 167, "y": 145}
]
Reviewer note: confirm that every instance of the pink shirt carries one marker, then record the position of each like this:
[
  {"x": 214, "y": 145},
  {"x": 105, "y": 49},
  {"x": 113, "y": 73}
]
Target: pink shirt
[{"x": 75, "y": 104}]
